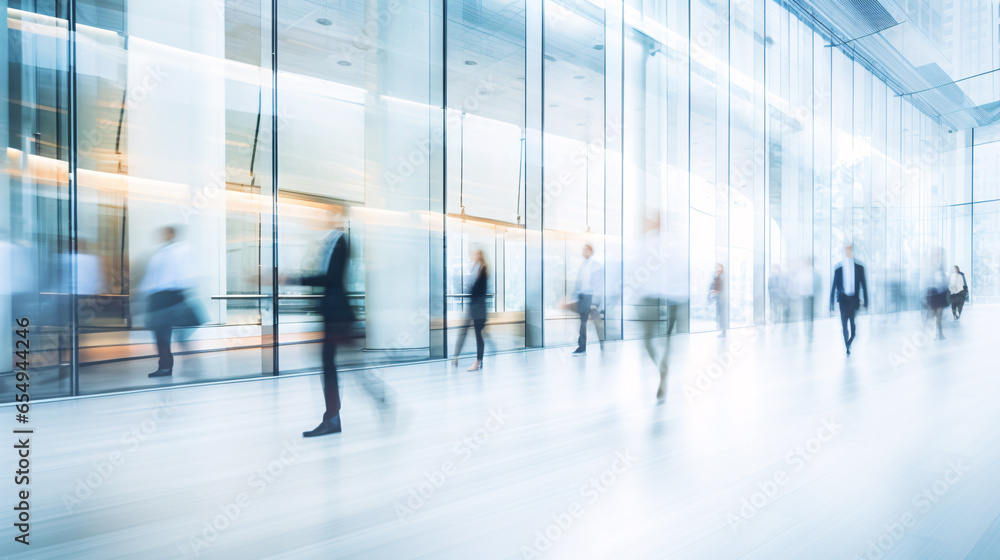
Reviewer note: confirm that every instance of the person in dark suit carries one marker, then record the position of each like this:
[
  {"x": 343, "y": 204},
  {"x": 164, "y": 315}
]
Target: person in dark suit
[
  {"x": 850, "y": 290},
  {"x": 477, "y": 308},
  {"x": 959, "y": 289},
  {"x": 338, "y": 320}
]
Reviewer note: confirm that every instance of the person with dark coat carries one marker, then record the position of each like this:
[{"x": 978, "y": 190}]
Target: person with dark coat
[
  {"x": 477, "y": 308},
  {"x": 850, "y": 290},
  {"x": 959, "y": 289},
  {"x": 338, "y": 321}
]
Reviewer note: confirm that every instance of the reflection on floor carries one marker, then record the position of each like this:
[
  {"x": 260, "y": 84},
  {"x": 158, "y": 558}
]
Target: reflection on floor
[{"x": 765, "y": 448}]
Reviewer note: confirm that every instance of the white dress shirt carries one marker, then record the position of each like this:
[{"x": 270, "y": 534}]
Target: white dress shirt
[
  {"x": 585, "y": 278},
  {"x": 955, "y": 284},
  {"x": 848, "y": 277},
  {"x": 171, "y": 268}
]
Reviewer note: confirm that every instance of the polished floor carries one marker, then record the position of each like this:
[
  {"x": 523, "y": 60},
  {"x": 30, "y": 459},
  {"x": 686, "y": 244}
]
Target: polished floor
[{"x": 766, "y": 447}]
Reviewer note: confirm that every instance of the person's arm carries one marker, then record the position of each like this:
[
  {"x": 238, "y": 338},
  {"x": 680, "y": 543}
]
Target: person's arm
[
  {"x": 864, "y": 286},
  {"x": 334, "y": 269},
  {"x": 833, "y": 289}
]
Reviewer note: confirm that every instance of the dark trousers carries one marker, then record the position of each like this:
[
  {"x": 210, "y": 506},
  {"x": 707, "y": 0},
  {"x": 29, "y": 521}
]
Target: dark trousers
[
  {"x": 847, "y": 312},
  {"x": 160, "y": 303},
  {"x": 163, "y": 335},
  {"x": 371, "y": 383},
  {"x": 957, "y": 303},
  {"x": 651, "y": 332},
  {"x": 583, "y": 307},
  {"x": 331, "y": 386},
  {"x": 478, "y": 325}
]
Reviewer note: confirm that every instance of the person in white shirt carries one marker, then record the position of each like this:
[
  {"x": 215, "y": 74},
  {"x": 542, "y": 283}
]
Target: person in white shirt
[
  {"x": 803, "y": 289},
  {"x": 848, "y": 285},
  {"x": 588, "y": 289},
  {"x": 169, "y": 275},
  {"x": 660, "y": 272}
]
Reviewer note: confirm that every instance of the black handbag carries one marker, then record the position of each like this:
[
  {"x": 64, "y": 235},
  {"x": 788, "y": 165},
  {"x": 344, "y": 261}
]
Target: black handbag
[{"x": 937, "y": 300}]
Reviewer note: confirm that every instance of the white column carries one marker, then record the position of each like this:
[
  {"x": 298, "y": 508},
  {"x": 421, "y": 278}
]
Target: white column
[
  {"x": 397, "y": 155},
  {"x": 175, "y": 110}
]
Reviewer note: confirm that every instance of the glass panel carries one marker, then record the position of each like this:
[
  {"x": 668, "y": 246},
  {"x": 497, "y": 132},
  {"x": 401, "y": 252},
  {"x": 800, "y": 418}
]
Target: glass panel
[
  {"x": 35, "y": 238},
  {"x": 574, "y": 139},
  {"x": 486, "y": 166},
  {"x": 174, "y": 191},
  {"x": 356, "y": 140}
]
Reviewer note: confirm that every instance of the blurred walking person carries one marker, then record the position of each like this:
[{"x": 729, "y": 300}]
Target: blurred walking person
[
  {"x": 959, "y": 292},
  {"x": 717, "y": 293},
  {"x": 804, "y": 289},
  {"x": 851, "y": 291},
  {"x": 479, "y": 279},
  {"x": 589, "y": 280},
  {"x": 662, "y": 277},
  {"x": 169, "y": 280},
  {"x": 936, "y": 290},
  {"x": 338, "y": 321}
]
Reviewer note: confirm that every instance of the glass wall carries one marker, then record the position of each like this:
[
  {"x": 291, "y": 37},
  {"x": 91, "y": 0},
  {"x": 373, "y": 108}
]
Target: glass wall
[{"x": 207, "y": 150}]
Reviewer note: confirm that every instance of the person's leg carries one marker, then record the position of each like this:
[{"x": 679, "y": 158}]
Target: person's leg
[
  {"x": 599, "y": 326},
  {"x": 938, "y": 313},
  {"x": 373, "y": 385},
  {"x": 480, "y": 324},
  {"x": 854, "y": 326},
  {"x": 460, "y": 342},
  {"x": 331, "y": 387},
  {"x": 844, "y": 314},
  {"x": 163, "y": 334},
  {"x": 649, "y": 328},
  {"x": 583, "y": 309},
  {"x": 961, "y": 303},
  {"x": 672, "y": 310}
]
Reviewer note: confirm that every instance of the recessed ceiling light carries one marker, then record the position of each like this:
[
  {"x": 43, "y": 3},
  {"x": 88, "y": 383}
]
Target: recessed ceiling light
[
  {"x": 549, "y": 57},
  {"x": 553, "y": 106},
  {"x": 588, "y": 98},
  {"x": 581, "y": 124},
  {"x": 324, "y": 21},
  {"x": 343, "y": 63},
  {"x": 579, "y": 77},
  {"x": 598, "y": 47},
  {"x": 471, "y": 63}
]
